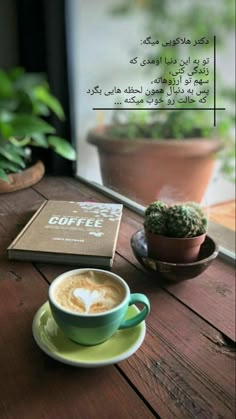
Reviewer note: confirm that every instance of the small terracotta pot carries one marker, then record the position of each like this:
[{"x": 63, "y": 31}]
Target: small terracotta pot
[
  {"x": 23, "y": 179},
  {"x": 173, "y": 249}
]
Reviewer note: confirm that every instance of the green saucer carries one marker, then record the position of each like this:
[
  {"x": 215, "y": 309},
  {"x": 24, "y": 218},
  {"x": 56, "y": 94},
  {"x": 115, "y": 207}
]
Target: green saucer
[{"x": 54, "y": 343}]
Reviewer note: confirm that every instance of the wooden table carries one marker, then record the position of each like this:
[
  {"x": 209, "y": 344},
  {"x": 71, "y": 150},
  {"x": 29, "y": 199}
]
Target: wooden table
[
  {"x": 224, "y": 214},
  {"x": 184, "y": 368}
]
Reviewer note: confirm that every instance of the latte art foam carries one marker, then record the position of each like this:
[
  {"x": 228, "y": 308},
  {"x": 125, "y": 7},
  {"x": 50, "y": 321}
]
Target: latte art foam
[{"x": 89, "y": 292}]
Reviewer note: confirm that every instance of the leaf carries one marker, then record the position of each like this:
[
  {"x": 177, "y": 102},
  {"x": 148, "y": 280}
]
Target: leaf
[
  {"x": 23, "y": 125},
  {"x": 6, "y": 116},
  {"x": 16, "y": 72},
  {"x": 48, "y": 99},
  {"x": 6, "y": 87},
  {"x": 11, "y": 167},
  {"x": 16, "y": 149},
  {"x": 5, "y": 129},
  {"x": 122, "y": 9},
  {"x": 3, "y": 175},
  {"x": 39, "y": 140},
  {"x": 62, "y": 147},
  {"x": 8, "y": 104},
  {"x": 27, "y": 81},
  {"x": 20, "y": 144},
  {"x": 10, "y": 153},
  {"x": 12, "y": 147},
  {"x": 40, "y": 109}
]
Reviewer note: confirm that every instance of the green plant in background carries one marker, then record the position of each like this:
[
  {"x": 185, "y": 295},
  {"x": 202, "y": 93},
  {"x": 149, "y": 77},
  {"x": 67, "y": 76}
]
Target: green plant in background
[
  {"x": 178, "y": 220},
  {"x": 165, "y": 20},
  {"x": 25, "y": 102},
  {"x": 168, "y": 125}
]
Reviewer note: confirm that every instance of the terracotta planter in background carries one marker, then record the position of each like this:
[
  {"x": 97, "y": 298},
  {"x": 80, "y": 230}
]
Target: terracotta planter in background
[
  {"x": 23, "y": 179},
  {"x": 146, "y": 170},
  {"x": 172, "y": 249}
]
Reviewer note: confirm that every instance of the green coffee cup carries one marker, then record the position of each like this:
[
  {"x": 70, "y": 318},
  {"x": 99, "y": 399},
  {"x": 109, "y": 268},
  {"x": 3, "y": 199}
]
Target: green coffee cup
[{"x": 76, "y": 297}]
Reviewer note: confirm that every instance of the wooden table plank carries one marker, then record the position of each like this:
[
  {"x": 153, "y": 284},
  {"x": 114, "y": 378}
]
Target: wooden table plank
[
  {"x": 211, "y": 294},
  {"x": 4, "y": 233},
  {"x": 196, "y": 367},
  {"x": 182, "y": 358},
  {"x": 218, "y": 307},
  {"x": 34, "y": 386},
  {"x": 183, "y": 369},
  {"x": 17, "y": 208},
  {"x": 224, "y": 214}
]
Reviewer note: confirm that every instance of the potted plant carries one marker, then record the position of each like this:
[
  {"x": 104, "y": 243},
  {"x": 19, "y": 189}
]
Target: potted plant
[
  {"x": 145, "y": 160},
  {"x": 25, "y": 102},
  {"x": 142, "y": 153},
  {"x": 174, "y": 233}
]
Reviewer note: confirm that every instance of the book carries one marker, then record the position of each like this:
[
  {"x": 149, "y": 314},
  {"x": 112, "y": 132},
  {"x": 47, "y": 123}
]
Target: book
[{"x": 77, "y": 233}]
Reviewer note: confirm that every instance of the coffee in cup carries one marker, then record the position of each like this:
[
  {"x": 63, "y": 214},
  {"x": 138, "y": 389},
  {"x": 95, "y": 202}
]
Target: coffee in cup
[
  {"x": 89, "y": 292},
  {"x": 90, "y": 305}
]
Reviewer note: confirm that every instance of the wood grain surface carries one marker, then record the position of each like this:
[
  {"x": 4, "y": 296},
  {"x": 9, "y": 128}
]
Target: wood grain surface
[
  {"x": 211, "y": 294},
  {"x": 185, "y": 367},
  {"x": 224, "y": 214}
]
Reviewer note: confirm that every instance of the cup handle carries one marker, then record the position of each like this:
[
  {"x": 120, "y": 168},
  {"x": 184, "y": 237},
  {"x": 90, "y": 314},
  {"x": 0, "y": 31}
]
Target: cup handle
[{"x": 135, "y": 320}]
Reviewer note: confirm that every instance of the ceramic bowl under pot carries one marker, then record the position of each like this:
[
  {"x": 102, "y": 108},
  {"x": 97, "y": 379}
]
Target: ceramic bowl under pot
[{"x": 174, "y": 271}]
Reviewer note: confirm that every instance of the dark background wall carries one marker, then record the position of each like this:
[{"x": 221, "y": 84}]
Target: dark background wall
[
  {"x": 9, "y": 48},
  {"x": 33, "y": 35}
]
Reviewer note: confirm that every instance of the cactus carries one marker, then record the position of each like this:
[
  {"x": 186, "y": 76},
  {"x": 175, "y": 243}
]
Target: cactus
[
  {"x": 184, "y": 221},
  {"x": 187, "y": 220},
  {"x": 155, "y": 217},
  {"x": 157, "y": 207},
  {"x": 197, "y": 207},
  {"x": 156, "y": 223},
  {"x": 203, "y": 223}
]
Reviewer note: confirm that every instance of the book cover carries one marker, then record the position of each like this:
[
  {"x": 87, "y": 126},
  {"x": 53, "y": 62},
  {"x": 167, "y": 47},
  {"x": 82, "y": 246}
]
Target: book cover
[{"x": 81, "y": 233}]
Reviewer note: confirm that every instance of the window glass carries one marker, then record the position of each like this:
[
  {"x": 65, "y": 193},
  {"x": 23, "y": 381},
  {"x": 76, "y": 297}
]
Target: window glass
[{"x": 120, "y": 58}]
